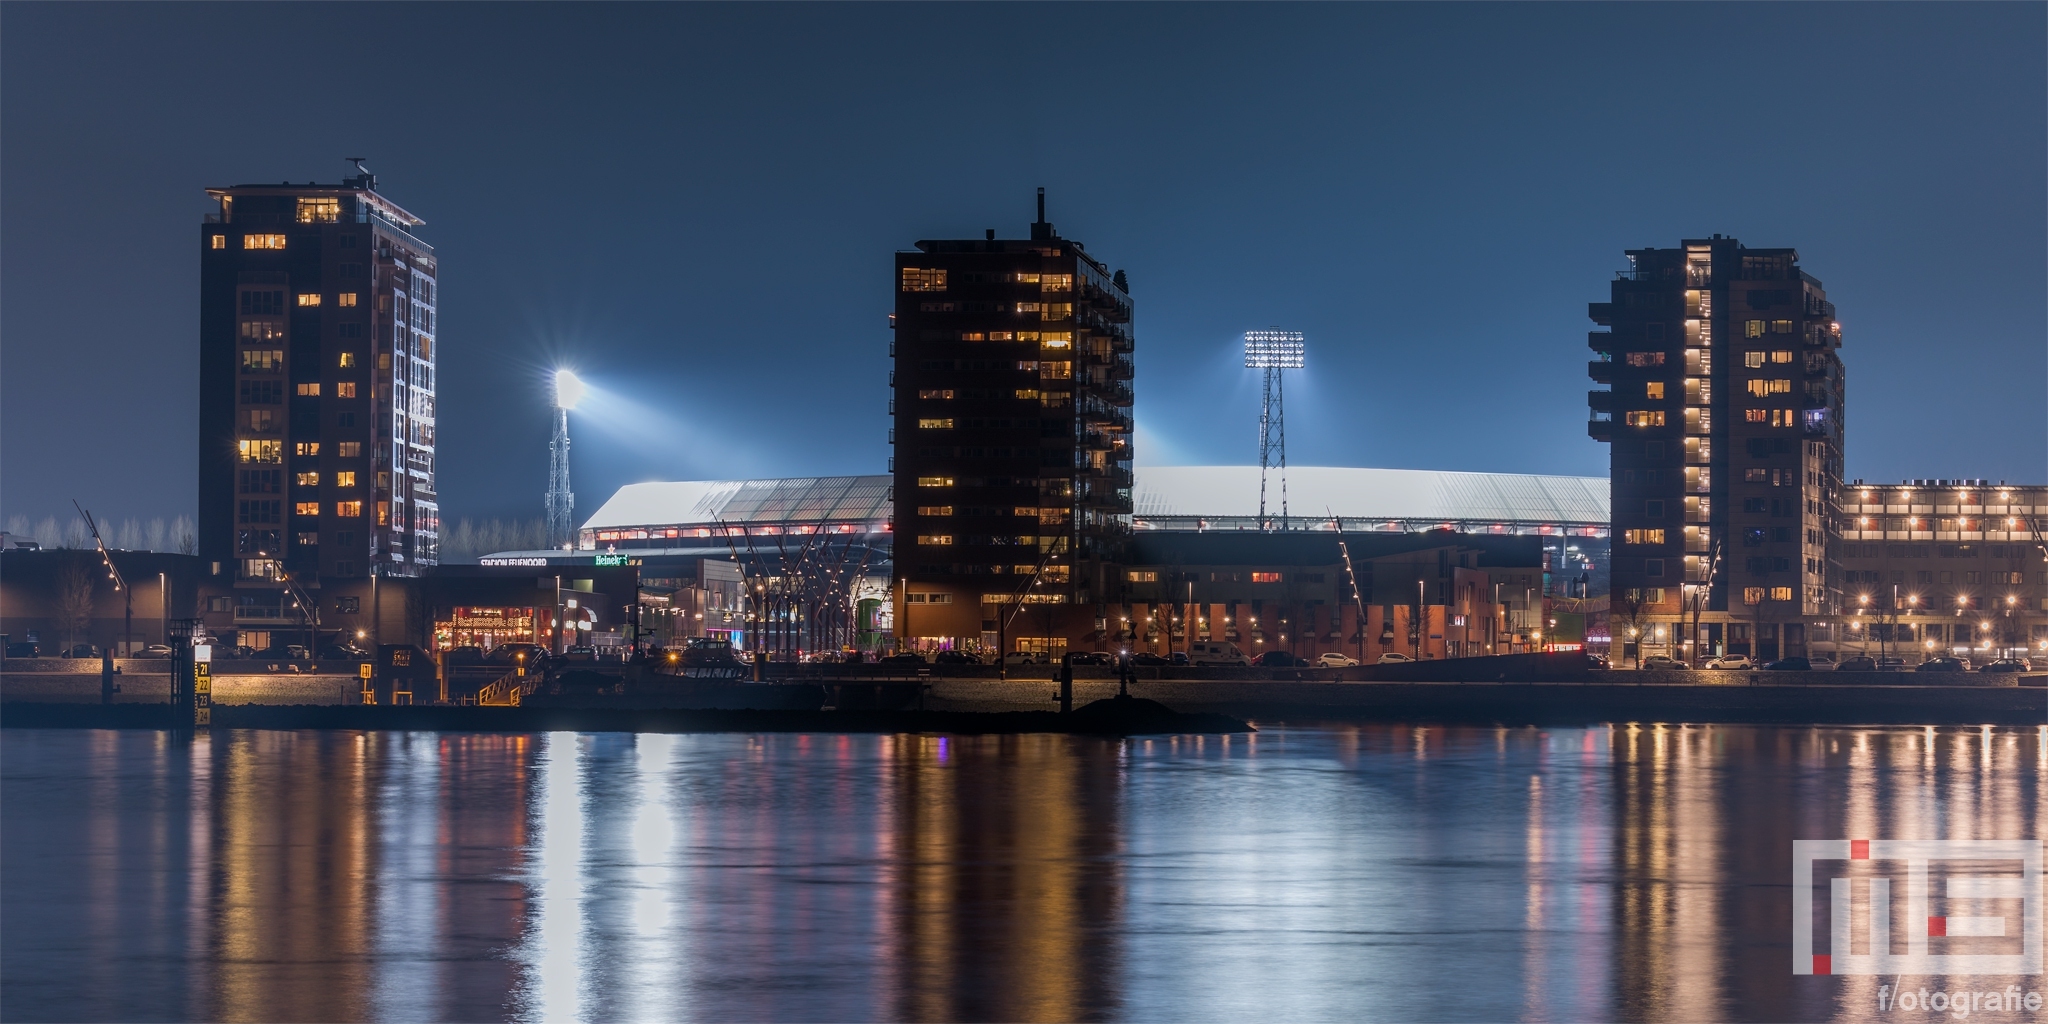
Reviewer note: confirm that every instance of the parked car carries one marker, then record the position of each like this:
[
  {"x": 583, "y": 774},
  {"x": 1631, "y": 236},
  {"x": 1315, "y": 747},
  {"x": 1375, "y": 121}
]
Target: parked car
[
  {"x": 1891, "y": 663},
  {"x": 1218, "y": 652},
  {"x": 343, "y": 652},
  {"x": 1332, "y": 659},
  {"x": 1144, "y": 659},
  {"x": 1859, "y": 663},
  {"x": 1393, "y": 658},
  {"x": 80, "y": 651},
  {"x": 2007, "y": 665},
  {"x": 1791, "y": 664},
  {"x": 286, "y": 652},
  {"x": 1278, "y": 659},
  {"x": 154, "y": 651},
  {"x": 1015, "y": 658},
  {"x": 1738, "y": 662},
  {"x": 1823, "y": 663},
  {"x": 1598, "y": 662},
  {"x": 1944, "y": 664},
  {"x": 580, "y": 652},
  {"x": 1180, "y": 658},
  {"x": 1089, "y": 658},
  {"x": 906, "y": 658},
  {"x": 24, "y": 650},
  {"x": 955, "y": 658},
  {"x": 1659, "y": 662},
  {"x": 457, "y": 657}
]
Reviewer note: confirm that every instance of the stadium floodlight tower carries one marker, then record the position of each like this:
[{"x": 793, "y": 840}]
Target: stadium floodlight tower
[
  {"x": 1273, "y": 351},
  {"x": 561, "y": 501}
]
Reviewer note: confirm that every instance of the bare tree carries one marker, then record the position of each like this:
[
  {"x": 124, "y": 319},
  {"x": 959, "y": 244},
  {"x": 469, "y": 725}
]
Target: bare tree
[
  {"x": 183, "y": 532},
  {"x": 1625, "y": 610},
  {"x": 74, "y": 599},
  {"x": 157, "y": 535}
]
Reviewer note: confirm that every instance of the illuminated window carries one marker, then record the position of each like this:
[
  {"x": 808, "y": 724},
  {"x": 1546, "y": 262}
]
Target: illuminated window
[
  {"x": 1029, "y": 278},
  {"x": 1024, "y": 510},
  {"x": 1781, "y": 327},
  {"x": 1030, "y": 394},
  {"x": 261, "y": 451},
  {"x": 1056, "y": 311},
  {"x": 1753, "y": 359},
  {"x": 1055, "y": 283},
  {"x": 1645, "y": 359},
  {"x": 345, "y": 299},
  {"x": 917, "y": 279},
  {"x": 307, "y": 539},
  {"x": 306, "y": 508},
  {"x": 1761, "y": 387},
  {"x": 935, "y": 394},
  {"x": 935, "y": 481},
  {"x": 319, "y": 209},
  {"x": 935, "y": 539},
  {"x": 306, "y": 448},
  {"x": 1265, "y": 577},
  {"x": 973, "y": 336},
  {"x": 1756, "y": 415},
  {"x": 1026, "y": 336},
  {"x": 1142, "y": 576},
  {"x": 1781, "y": 593},
  {"x": 262, "y": 241},
  {"x": 348, "y": 359},
  {"x": 1752, "y": 595},
  {"x": 935, "y": 424},
  {"x": 348, "y": 509},
  {"x": 1783, "y": 418},
  {"x": 306, "y": 480},
  {"x": 1055, "y": 370},
  {"x": 345, "y": 478},
  {"x": 347, "y": 449},
  {"x": 1752, "y": 329},
  {"x": 935, "y": 510},
  {"x": 345, "y": 389},
  {"x": 1058, "y": 339},
  {"x": 383, "y": 513},
  {"x": 309, "y": 390},
  {"x": 219, "y": 241},
  {"x": 261, "y": 330},
  {"x": 309, "y": 298},
  {"x": 1642, "y": 536},
  {"x": 1644, "y": 418},
  {"x": 1654, "y": 389},
  {"x": 269, "y": 360},
  {"x": 1781, "y": 356}
]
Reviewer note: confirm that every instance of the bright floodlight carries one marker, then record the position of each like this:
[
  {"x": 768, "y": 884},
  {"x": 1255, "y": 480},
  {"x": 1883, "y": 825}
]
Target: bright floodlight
[
  {"x": 1283, "y": 350},
  {"x": 568, "y": 390}
]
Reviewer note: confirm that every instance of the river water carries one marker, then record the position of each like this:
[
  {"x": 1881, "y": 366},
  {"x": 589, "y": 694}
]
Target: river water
[{"x": 1355, "y": 872}]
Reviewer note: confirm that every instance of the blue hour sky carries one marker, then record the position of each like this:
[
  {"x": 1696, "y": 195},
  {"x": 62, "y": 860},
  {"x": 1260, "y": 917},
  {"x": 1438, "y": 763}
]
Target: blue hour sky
[{"x": 695, "y": 206}]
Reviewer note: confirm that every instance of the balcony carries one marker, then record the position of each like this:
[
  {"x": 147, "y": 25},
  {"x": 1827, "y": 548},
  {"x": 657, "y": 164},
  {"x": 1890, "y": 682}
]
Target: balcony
[
  {"x": 1601, "y": 313},
  {"x": 1600, "y": 427},
  {"x": 1117, "y": 394},
  {"x": 1600, "y": 341},
  {"x": 1600, "y": 401},
  {"x": 1601, "y": 370}
]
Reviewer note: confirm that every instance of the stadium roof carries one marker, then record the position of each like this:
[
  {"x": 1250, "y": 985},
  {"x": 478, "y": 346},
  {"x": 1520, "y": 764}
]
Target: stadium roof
[
  {"x": 810, "y": 499},
  {"x": 1166, "y": 493},
  {"x": 1167, "y": 497}
]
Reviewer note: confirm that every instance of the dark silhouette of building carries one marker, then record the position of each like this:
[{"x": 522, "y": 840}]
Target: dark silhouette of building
[
  {"x": 1013, "y": 437},
  {"x": 1725, "y": 417},
  {"x": 316, "y": 427}
]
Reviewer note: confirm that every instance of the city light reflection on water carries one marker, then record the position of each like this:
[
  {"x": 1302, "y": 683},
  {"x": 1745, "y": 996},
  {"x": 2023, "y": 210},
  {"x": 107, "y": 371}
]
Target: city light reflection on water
[{"x": 1384, "y": 872}]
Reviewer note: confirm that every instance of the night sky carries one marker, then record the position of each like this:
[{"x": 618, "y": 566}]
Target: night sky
[{"x": 696, "y": 206}]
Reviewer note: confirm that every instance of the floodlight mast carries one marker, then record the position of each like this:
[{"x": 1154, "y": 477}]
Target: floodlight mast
[
  {"x": 561, "y": 501},
  {"x": 1273, "y": 351}
]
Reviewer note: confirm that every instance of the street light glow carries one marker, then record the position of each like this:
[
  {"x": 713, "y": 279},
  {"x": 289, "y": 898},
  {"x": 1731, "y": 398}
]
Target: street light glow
[{"x": 568, "y": 389}]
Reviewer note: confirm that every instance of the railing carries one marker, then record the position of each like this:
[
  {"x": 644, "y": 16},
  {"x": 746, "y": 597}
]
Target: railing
[{"x": 508, "y": 690}]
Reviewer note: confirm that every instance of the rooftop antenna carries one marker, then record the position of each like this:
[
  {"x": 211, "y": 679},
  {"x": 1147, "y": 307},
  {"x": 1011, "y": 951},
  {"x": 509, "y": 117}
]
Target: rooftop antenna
[
  {"x": 1040, "y": 230},
  {"x": 1273, "y": 351},
  {"x": 358, "y": 161}
]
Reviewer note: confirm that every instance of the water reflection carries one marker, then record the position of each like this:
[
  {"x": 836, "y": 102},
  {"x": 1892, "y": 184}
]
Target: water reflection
[{"x": 1372, "y": 872}]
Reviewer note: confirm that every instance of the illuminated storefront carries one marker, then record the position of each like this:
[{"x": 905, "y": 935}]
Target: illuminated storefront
[{"x": 487, "y": 627}]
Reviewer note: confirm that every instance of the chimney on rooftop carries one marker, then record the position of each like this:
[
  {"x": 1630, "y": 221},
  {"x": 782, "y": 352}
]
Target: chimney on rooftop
[{"x": 1040, "y": 230}]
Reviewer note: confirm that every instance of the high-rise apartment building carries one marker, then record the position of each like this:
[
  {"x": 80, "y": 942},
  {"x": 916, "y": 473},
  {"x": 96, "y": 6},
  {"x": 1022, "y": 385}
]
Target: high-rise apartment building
[
  {"x": 1012, "y": 410},
  {"x": 316, "y": 427},
  {"x": 1725, "y": 418}
]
